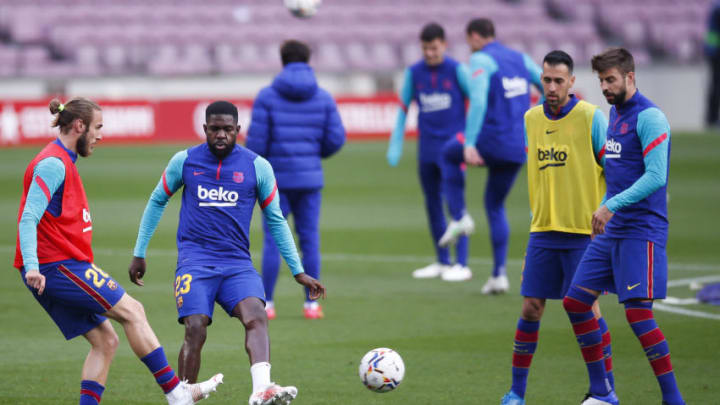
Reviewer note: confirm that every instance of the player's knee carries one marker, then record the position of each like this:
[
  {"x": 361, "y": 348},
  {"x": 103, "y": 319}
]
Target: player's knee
[
  {"x": 111, "y": 343},
  {"x": 532, "y": 310},
  {"x": 195, "y": 332},
  {"x": 256, "y": 318}
]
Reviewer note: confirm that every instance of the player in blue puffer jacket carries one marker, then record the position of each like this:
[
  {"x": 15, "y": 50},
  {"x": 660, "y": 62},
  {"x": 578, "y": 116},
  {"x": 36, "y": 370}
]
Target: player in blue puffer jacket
[{"x": 294, "y": 125}]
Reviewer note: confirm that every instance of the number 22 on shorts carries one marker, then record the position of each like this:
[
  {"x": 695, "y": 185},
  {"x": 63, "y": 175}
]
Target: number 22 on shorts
[
  {"x": 182, "y": 284},
  {"x": 96, "y": 275}
]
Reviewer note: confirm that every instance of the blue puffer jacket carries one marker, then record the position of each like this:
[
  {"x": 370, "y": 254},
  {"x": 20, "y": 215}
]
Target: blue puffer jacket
[{"x": 294, "y": 125}]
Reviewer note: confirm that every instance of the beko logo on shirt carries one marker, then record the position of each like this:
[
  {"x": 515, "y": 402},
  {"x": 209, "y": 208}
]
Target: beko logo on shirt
[
  {"x": 219, "y": 197},
  {"x": 434, "y": 101},
  {"x": 613, "y": 149},
  {"x": 516, "y": 86},
  {"x": 554, "y": 156}
]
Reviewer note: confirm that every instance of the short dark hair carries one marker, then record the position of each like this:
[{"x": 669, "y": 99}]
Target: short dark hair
[
  {"x": 558, "y": 57},
  {"x": 78, "y": 107},
  {"x": 221, "y": 108},
  {"x": 432, "y": 31},
  {"x": 619, "y": 58},
  {"x": 482, "y": 26},
  {"x": 294, "y": 51}
]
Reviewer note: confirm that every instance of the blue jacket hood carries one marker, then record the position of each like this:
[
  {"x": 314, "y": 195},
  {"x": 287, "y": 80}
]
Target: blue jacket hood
[{"x": 296, "y": 81}]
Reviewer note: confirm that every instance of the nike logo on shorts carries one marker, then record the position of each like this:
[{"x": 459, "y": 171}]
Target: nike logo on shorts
[{"x": 630, "y": 287}]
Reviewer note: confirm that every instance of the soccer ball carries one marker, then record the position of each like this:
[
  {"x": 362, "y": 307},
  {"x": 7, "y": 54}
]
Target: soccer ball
[
  {"x": 303, "y": 8},
  {"x": 381, "y": 370}
]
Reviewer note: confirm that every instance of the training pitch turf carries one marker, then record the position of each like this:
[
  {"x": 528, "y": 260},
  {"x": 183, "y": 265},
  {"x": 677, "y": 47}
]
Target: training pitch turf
[{"x": 456, "y": 343}]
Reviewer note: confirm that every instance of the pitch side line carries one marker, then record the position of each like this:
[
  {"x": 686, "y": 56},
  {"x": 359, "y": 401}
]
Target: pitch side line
[
  {"x": 686, "y": 312},
  {"x": 380, "y": 258}
]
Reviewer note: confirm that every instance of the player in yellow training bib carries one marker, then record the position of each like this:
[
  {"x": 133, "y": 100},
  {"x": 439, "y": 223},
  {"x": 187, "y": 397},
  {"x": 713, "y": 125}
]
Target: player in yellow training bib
[{"x": 565, "y": 141}]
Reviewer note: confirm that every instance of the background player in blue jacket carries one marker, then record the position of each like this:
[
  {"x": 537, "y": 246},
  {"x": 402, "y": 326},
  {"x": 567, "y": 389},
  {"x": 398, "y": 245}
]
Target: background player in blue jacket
[
  {"x": 627, "y": 255},
  {"x": 221, "y": 182},
  {"x": 500, "y": 81},
  {"x": 294, "y": 125},
  {"x": 439, "y": 86}
]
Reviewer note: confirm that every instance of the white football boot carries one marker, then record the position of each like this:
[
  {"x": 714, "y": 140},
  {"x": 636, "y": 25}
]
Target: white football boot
[
  {"x": 457, "y": 272},
  {"x": 189, "y": 394},
  {"x": 609, "y": 399},
  {"x": 431, "y": 271},
  {"x": 455, "y": 229},
  {"x": 273, "y": 395},
  {"x": 496, "y": 285}
]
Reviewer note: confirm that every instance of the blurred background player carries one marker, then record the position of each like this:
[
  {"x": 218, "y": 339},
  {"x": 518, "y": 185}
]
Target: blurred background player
[
  {"x": 712, "y": 52},
  {"x": 500, "y": 81},
  {"x": 565, "y": 140},
  {"x": 294, "y": 125},
  {"x": 439, "y": 86},
  {"x": 627, "y": 255},
  {"x": 55, "y": 258},
  {"x": 222, "y": 181}
]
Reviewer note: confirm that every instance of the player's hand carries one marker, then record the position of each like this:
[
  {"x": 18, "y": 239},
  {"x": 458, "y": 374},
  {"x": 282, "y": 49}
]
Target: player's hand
[
  {"x": 599, "y": 219},
  {"x": 317, "y": 290},
  {"x": 137, "y": 270},
  {"x": 393, "y": 155},
  {"x": 35, "y": 280},
  {"x": 472, "y": 156}
]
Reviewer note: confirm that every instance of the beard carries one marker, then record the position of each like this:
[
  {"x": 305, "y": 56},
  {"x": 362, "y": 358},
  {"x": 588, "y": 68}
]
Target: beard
[
  {"x": 222, "y": 153},
  {"x": 83, "y": 146},
  {"x": 616, "y": 98}
]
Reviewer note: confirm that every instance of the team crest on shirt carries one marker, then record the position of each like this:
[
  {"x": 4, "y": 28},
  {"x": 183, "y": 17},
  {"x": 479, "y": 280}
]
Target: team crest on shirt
[
  {"x": 179, "y": 302},
  {"x": 624, "y": 128},
  {"x": 447, "y": 84},
  {"x": 238, "y": 177},
  {"x": 112, "y": 285}
]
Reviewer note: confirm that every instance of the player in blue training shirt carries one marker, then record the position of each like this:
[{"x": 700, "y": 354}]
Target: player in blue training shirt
[
  {"x": 222, "y": 181},
  {"x": 627, "y": 255},
  {"x": 565, "y": 142},
  {"x": 439, "y": 86},
  {"x": 500, "y": 81}
]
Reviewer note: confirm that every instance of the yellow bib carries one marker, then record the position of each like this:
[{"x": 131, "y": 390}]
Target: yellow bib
[{"x": 565, "y": 182}]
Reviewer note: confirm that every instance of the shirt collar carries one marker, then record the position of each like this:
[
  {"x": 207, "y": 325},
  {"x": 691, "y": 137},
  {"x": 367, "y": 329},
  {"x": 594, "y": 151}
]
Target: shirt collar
[
  {"x": 70, "y": 153},
  {"x": 564, "y": 110},
  {"x": 628, "y": 105}
]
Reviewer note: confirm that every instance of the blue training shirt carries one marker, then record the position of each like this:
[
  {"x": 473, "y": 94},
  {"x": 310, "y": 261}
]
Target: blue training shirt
[
  {"x": 440, "y": 93},
  {"x": 567, "y": 240},
  {"x": 217, "y": 205},
  {"x": 637, "y": 153},
  {"x": 499, "y": 97}
]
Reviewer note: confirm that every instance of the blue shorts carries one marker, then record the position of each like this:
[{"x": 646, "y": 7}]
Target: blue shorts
[
  {"x": 631, "y": 268},
  {"x": 75, "y": 295},
  {"x": 547, "y": 273},
  {"x": 197, "y": 288}
]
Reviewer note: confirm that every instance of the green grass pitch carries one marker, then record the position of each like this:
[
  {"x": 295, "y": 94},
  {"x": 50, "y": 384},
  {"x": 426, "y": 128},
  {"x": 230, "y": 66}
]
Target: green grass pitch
[{"x": 456, "y": 343}]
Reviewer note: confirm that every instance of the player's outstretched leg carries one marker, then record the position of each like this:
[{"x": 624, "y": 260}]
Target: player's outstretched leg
[
  {"x": 131, "y": 315},
  {"x": 251, "y": 313},
  {"x": 578, "y": 304},
  {"x": 642, "y": 321}
]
